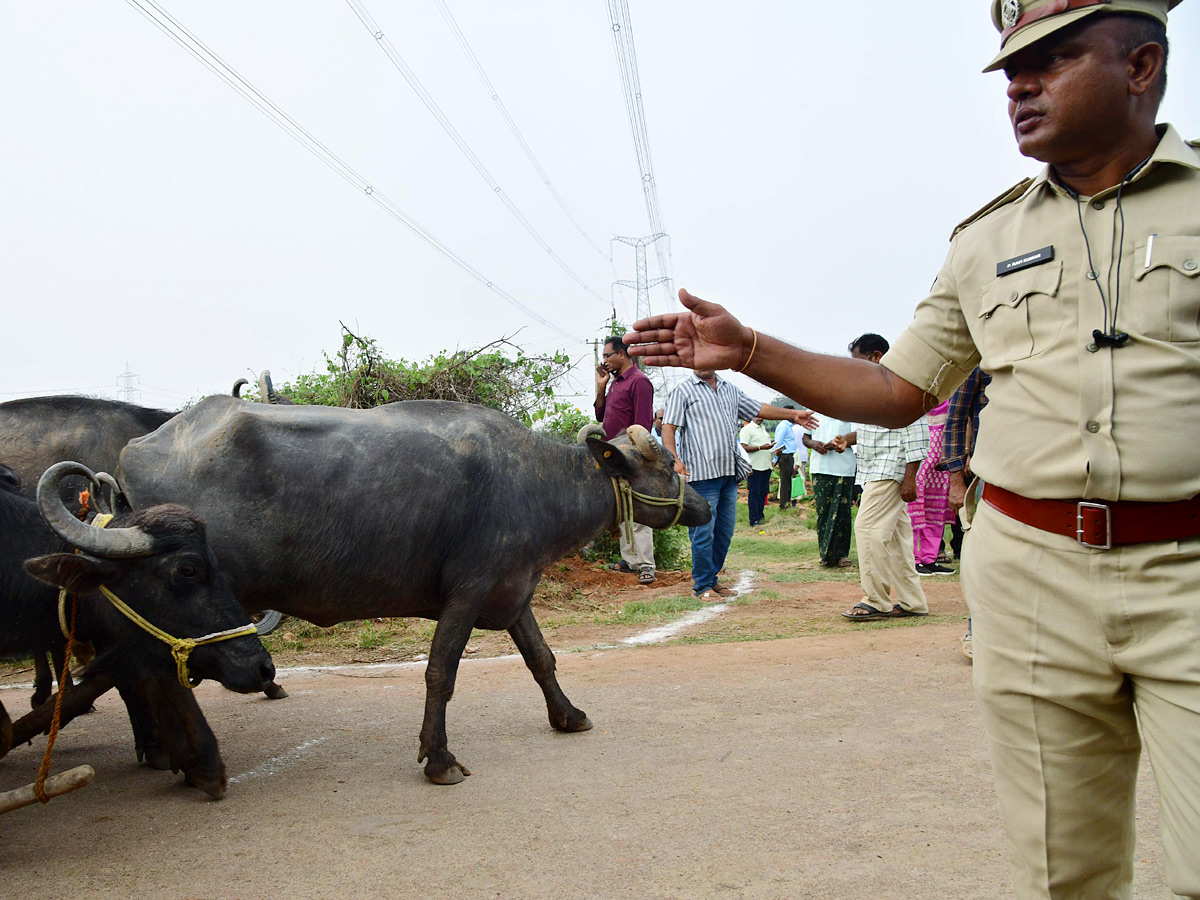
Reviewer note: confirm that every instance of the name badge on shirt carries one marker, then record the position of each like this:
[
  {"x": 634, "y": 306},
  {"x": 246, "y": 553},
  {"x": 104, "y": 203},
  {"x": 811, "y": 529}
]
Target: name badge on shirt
[{"x": 1025, "y": 261}]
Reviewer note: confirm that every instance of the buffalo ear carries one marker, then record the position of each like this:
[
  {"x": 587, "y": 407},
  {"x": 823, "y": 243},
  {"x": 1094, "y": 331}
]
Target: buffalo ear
[
  {"x": 610, "y": 458},
  {"x": 76, "y": 572}
]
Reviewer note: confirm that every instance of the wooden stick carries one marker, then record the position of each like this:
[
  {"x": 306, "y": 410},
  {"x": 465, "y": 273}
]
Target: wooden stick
[
  {"x": 77, "y": 701},
  {"x": 56, "y": 785}
]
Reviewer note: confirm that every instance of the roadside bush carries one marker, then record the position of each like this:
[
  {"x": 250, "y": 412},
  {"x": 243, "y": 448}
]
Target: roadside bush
[
  {"x": 499, "y": 375},
  {"x": 563, "y": 423},
  {"x": 672, "y": 549}
]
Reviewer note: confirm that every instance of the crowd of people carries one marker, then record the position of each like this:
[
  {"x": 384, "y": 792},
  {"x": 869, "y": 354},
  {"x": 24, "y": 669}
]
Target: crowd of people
[{"x": 900, "y": 478}]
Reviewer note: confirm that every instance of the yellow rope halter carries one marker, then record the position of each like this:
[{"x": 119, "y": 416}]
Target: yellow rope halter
[
  {"x": 181, "y": 648},
  {"x": 625, "y": 495}
]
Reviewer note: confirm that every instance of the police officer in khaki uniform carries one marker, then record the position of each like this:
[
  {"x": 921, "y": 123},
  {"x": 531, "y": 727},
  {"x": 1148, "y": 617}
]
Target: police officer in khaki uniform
[{"x": 1079, "y": 291}]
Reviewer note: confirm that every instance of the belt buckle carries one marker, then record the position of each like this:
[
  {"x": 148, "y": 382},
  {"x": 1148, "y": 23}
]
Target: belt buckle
[{"x": 1079, "y": 529}]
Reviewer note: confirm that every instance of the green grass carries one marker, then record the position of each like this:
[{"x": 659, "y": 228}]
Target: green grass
[
  {"x": 392, "y": 638},
  {"x": 768, "y": 548},
  {"x": 741, "y": 633},
  {"x": 808, "y": 576},
  {"x": 659, "y": 609}
]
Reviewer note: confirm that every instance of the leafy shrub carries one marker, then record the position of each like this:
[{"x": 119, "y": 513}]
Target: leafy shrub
[
  {"x": 672, "y": 549},
  {"x": 563, "y": 422},
  {"x": 498, "y": 375}
]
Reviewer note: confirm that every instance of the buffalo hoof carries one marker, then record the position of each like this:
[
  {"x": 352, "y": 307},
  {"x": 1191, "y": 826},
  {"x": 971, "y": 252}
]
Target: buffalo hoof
[
  {"x": 443, "y": 768},
  {"x": 576, "y": 720},
  {"x": 154, "y": 756},
  {"x": 213, "y": 785},
  {"x": 274, "y": 691}
]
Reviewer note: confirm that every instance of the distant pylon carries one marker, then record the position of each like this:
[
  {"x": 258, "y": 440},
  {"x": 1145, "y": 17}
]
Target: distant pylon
[
  {"x": 642, "y": 285},
  {"x": 127, "y": 386}
]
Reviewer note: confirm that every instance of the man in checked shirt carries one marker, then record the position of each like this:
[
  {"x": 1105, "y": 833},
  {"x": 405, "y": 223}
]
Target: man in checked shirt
[{"x": 888, "y": 459}]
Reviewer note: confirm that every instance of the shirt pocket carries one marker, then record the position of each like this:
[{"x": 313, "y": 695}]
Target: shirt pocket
[
  {"x": 1164, "y": 299},
  {"x": 1020, "y": 316}
]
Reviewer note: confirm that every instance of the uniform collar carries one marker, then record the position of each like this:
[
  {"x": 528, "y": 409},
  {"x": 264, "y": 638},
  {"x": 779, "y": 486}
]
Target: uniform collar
[{"x": 1171, "y": 149}]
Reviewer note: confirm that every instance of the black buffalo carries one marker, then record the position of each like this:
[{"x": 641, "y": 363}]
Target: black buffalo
[
  {"x": 37, "y": 432},
  {"x": 157, "y": 561},
  {"x": 441, "y": 510}
]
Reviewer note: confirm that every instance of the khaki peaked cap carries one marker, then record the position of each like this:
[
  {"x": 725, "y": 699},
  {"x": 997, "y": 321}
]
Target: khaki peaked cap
[{"x": 1024, "y": 22}]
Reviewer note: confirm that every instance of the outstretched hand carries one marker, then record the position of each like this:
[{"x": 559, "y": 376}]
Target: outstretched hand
[
  {"x": 806, "y": 419},
  {"x": 704, "y": 337}
]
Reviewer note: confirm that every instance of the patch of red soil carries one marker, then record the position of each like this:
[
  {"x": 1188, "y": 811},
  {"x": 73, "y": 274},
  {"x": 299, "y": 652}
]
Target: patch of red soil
[{"x": 589, "y": 578}]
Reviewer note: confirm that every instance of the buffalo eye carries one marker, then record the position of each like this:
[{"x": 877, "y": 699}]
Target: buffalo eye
[{"x": 188, "y": 569}]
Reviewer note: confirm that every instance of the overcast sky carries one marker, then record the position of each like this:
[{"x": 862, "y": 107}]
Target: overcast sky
[{"x": 811, "y": 161}]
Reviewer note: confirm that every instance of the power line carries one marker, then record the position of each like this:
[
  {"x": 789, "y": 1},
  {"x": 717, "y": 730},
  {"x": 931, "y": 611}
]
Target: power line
[
  {"x": 405, "y": 70},
  {"x": 512, "y": 125},
  {"x": 200, "y": 51},
  {"x": 631, "y": 85}
]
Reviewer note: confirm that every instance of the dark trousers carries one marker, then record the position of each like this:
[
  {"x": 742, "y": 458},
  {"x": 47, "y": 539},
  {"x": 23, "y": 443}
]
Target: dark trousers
[
  {"x": 757, "y": 486},
  {"x": 832, "y": 494},
  {"x": 956, "y": 537},
  {"x": 787, "y": 466}
]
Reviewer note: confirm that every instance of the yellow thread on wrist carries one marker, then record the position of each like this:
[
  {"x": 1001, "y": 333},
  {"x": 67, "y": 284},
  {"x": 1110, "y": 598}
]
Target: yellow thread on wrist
[{"x": 753, "y": 347}]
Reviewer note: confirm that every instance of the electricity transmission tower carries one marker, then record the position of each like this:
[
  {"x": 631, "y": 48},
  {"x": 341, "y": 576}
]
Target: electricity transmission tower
[
  {"x": 127, "y": 386},
  {"x": 643, "y": 283}
]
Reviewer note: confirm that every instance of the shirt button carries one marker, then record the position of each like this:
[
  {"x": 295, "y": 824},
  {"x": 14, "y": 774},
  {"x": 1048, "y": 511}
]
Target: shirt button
[
  {"x": 1093, "y": 427},
  {"x": 1097, "y": 204},
  {"x": 1190, "y": 265},
  {"x": 1013, "y": 296},
  {"x": 1092, "y": 348},
  {"x": 1092, "y": 276}
]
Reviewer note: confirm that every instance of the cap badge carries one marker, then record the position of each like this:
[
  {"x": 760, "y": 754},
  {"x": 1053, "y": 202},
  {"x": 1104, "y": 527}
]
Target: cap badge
[{"x": 1010, "y": 12}]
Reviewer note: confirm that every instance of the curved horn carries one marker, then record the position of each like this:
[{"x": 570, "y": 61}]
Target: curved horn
[
  {"x": 111, "y": 543},
  {"x": 237, "y": 387},
  {"x": 640, "y": 438},
  {"x": 114, "y": 490},
  {"x": 587, "y": 431},
  {"x": 266, "y": 390}
]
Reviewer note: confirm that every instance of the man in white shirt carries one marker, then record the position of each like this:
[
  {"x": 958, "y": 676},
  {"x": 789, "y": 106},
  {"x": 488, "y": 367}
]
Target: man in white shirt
[
  {"x": 757, "y": 443},
  {"x": 833, "y": 488}
]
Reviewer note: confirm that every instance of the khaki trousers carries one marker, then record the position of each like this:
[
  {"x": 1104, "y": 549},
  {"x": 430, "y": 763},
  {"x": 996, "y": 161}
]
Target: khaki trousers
[
  {"x": 883, "y": 531},
  {"x": 641, "y": 551},
  {"x": 1073, "y": 647}
]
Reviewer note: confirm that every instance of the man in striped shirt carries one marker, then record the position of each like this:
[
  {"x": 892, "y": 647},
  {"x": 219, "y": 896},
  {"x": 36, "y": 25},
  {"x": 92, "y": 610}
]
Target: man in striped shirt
[{"x": 700, "y": 428}]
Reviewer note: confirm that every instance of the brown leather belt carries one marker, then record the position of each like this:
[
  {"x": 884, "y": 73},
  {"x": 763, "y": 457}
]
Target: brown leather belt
[{"x": 1098, "y": 524}]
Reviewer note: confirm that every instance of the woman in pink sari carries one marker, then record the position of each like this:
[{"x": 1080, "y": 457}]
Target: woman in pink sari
[{"x": 930, "y": 512}]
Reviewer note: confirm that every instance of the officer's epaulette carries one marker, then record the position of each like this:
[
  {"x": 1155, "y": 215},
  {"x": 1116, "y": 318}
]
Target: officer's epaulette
[{"x": 1007, "y": 197}]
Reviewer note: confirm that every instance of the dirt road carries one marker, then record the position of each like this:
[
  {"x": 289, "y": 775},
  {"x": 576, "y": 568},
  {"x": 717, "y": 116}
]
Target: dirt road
[{"x": 838, "y": 765}]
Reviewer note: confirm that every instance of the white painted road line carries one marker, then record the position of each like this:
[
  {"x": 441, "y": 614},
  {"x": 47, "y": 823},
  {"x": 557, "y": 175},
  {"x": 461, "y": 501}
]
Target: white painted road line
[
  {"x": 275, "y": 763},
  {"x": 698, "y": 617}
]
